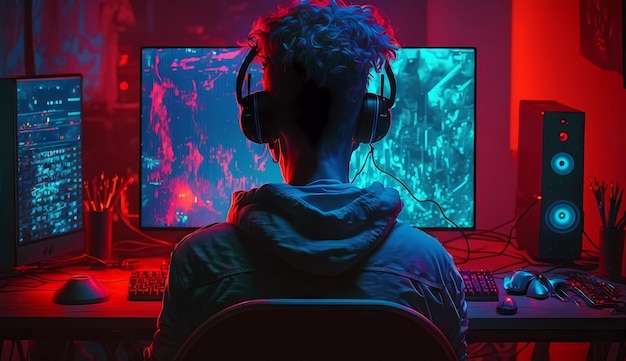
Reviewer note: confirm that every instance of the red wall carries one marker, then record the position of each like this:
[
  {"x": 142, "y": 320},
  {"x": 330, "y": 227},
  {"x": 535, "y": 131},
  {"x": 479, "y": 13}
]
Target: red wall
[
  {"x": 531, "y": 50},
  {"x": 547, "y": 64},
  {"x": 485, "y": 25}
]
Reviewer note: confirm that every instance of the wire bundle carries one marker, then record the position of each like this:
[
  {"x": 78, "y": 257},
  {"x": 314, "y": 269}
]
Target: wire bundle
[
  {"x": 615, "y": 201},
  {"x": 103, "y": 193}
]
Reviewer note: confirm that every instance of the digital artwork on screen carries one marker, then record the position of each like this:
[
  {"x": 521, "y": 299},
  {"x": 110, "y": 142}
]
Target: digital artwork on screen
[
  {"x": 41, "y": 172},
  {"x": 49, "y": 157},
  {"x": 430, "y": 145},
  {"x": 194, "y": 155}
]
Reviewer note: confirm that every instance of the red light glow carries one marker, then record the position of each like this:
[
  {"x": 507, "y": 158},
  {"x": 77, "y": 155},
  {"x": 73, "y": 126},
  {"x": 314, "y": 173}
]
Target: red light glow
[
  {"x": 186, "y": 198},
  {"x": 123, "y": 60}
]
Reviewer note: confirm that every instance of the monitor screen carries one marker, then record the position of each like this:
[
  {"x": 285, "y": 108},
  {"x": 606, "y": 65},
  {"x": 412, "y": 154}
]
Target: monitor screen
[
  {"x": 45, "y": 164},
  {"x": 194, "y": 155},
  {"x": 430, "y": 146}
]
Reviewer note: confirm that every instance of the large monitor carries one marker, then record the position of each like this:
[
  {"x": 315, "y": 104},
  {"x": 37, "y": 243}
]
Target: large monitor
[
  {"x": 41, "y": 169},
  {"x": 194, "y": 155}
]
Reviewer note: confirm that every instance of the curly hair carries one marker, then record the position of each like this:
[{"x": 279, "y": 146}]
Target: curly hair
[{"x": 327, "y": 39}]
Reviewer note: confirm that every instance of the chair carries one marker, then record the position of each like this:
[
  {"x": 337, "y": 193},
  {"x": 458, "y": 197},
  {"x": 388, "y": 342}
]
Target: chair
[{"x": 316, "y": 329}]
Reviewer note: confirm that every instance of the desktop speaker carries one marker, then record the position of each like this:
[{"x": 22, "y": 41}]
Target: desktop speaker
[{"x": 549, "y": 201}]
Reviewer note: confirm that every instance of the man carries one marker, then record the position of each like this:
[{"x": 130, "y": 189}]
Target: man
[{"x": 345, "y": 241}]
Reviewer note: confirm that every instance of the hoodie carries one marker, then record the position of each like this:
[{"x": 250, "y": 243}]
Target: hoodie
[
  {"x": 324, "y": 228},
  {"x": 323, "y": 240}
]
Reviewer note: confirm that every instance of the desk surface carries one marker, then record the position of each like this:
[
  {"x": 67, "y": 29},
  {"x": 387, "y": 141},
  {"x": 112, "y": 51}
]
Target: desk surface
[{"x": 26, "y": 309}]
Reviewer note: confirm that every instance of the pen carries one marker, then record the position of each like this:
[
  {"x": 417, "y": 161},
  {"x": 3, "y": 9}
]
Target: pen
[
  {"x": 621, "y": 224},
  {"x": 614, "y": 204}
]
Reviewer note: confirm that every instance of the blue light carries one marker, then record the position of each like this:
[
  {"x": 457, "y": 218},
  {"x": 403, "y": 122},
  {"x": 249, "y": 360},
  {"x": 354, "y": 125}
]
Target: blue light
[
  {"x": 562, "y": 163},
  {"x": 562, "y": 217}
]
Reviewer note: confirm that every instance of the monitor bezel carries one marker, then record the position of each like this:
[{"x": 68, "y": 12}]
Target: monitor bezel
[{"x": 450, "y": 226}]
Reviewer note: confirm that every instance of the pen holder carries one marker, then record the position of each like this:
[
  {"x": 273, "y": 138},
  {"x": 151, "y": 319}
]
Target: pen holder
[
  {"x": 611, "y": 253},
  {"x": 99, "y": 233}
]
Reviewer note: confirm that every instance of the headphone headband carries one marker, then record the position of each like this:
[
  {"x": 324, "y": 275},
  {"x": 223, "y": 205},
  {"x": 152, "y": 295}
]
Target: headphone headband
[
  {"x": 258, "y": 126},
  {"x": 392, "y": 84},
  {"x": 241, "y": 76}
]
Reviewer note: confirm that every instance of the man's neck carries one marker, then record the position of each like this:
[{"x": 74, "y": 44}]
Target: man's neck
[{"x": 305, "y": 169}]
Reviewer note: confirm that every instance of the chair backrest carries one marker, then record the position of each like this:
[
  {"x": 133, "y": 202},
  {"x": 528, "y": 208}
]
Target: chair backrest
[{"x": 317, "y": 329}]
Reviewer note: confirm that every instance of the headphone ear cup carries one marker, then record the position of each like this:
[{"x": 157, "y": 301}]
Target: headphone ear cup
[
  {"x": 374, "y": 119},
  {"x": 256, "y": 118}
]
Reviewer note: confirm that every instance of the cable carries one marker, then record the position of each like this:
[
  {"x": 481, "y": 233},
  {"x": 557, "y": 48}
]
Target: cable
[
  {"x": 521, "y": 349},
  {"x": 501, "y": 237},
  {"x": 128, "y": 224},
  {"x": 590, "y": 241},
  {"x": 535, "y": 200},
  {"x": 371, "y": 152},
  {"x": 16, "y": 344},
  {"x": 559, "y": 265},
  {"x": 501, "y": 269},
  {"x": 62, "y": 262},
  {"x": 594, "y": 255}
]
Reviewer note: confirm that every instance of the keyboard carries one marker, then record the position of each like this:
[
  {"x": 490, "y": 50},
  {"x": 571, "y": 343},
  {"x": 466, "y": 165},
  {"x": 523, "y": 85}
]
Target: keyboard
[
  {"x": 479, "y": 285},
  {"x": 595, "y": 291},
  {"x": 147, "y": 285}
]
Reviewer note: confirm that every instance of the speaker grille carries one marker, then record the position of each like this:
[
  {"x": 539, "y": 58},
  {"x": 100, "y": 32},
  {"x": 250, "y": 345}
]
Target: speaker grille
[
  {"x": 562, "y": 163},
  {"x": 562, "y": 217}
]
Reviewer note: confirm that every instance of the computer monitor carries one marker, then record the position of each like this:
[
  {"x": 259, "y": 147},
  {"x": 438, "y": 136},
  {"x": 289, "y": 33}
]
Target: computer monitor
[
  {"x": 41, "y": 169},
  {"x": 194, "y": 155},
  {"x": 430, "y": 146}
]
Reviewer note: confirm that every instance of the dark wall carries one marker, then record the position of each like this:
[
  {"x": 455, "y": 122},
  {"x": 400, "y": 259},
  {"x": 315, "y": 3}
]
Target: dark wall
[{"x": 197, "y": 22}]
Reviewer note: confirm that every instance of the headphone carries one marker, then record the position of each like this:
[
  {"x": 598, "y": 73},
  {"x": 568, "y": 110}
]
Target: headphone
[{"x": 257, "y": 123}]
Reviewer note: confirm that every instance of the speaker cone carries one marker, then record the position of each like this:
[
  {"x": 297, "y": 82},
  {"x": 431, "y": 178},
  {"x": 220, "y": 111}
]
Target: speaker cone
[
  {"x": 562, "y": 217},
  {"x": 562, "y": 163}
]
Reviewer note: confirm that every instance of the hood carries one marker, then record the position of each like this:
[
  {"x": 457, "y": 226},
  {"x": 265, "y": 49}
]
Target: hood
[{"x": 323, "y": 228}]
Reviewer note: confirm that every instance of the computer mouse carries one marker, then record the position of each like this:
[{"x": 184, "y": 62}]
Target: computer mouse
[
  {"x": 519, "y": 281},
  {"x": 538, "y": 288},
  {"x": 81, "y": 290},
  {"x": 507, "y": 306}
]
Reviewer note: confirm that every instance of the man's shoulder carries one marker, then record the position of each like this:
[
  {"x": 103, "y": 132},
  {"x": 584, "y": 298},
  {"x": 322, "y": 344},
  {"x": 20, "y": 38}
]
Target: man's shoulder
[
  {"x": 211, "y": 253},
  {"x": 209, "y": 236},
  {"x": 412, "y": 252},
  {"x": 213, "y": 230},
  {"x": 411, "y": 238}
]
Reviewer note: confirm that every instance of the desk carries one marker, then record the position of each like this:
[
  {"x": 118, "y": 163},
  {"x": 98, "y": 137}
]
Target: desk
[{"x": 30, "y": 313}]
